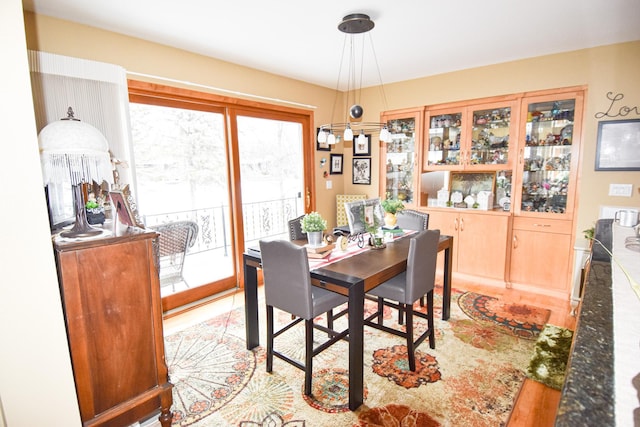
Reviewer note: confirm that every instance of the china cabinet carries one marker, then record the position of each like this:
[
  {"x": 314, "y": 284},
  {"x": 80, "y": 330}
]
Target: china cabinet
[
  {"x": 398, "y": 164},
  {"x": 467, "y": 136},
  {"x": 111, "y": 299},
  {"x": 545, "y": 191},
  {"x": 483, "y": 258}
]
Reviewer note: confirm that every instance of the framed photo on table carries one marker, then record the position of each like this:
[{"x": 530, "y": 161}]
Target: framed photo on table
[
  {"x": 121, "y": 209},
  {"x": 362, "y": 147},
  {"x": 362, "y": 171},
  {"x": 335, "y": 168},
  {"x": 618, "y": 145}
]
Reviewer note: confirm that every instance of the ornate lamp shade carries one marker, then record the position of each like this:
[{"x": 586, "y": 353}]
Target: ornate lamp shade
[{"x": 75, "y": 152}]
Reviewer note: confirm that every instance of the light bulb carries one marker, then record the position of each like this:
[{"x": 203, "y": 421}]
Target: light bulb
[
  {"x": 385, "y": 135},
  {"x": 362, "y": 139},
  {"x": 322, "y": 136},
  {"x": 331, "y": 139},
  {"x": 348, "y": 133}
]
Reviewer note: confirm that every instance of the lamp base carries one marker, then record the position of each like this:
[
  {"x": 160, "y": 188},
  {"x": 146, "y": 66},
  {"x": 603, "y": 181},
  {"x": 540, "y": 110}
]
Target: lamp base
[{"x": 81, "y": 228}]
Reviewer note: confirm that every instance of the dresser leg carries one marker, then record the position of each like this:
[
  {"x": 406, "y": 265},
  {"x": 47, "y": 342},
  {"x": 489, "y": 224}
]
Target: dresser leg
[{"x": 166, "y": 400}]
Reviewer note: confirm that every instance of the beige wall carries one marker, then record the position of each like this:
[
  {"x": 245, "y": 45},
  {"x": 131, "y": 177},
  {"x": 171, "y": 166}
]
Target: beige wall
[{"x": 36, "y": 380}]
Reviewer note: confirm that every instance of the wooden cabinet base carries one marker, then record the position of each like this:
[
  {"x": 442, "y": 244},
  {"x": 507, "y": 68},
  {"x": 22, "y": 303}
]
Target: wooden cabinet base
[{"x": 113, "y": 313}]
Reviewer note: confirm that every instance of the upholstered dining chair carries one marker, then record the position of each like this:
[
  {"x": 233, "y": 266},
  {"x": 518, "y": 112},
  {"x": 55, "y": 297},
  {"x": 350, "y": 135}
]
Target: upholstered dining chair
[
  {"x": 287, "y": 287},
  {"x": 174, "y": 241},
  {"x": 295, "y": 229},
  {"x": 409, "y": 219},
  {"x": 406, "y": 288}
]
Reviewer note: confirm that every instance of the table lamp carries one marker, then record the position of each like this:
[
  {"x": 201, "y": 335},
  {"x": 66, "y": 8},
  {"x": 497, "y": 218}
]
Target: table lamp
[{"x": 75, "y": 152}]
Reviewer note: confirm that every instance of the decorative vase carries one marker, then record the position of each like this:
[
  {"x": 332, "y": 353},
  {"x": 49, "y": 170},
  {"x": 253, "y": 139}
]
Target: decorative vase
[
  {"x": 95, "y": 216},
  {"x": 390, "y": 220},
  {"x": 314, "y": 238}
]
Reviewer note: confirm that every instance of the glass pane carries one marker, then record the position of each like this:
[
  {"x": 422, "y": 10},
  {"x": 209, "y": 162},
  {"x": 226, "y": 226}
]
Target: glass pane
[
  {"x": 400, "y": 159},
  {"x": 444, "y": 139},
  {"x": 547, "y": 156},
  {"x": 272, "y": 176},
  {"x": 490, "y": 136},
  {"x": 181, "y": 174}
]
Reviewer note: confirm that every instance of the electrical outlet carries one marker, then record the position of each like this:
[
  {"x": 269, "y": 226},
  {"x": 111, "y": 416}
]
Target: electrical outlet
[{"x": 623, "y": 190}]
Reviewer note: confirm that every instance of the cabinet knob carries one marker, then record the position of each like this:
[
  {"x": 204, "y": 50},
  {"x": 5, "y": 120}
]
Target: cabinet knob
[
  {"x": 515, "y": 242},
  {"x": 461, "y": 224},
  {"x": 455, "y": 224}
]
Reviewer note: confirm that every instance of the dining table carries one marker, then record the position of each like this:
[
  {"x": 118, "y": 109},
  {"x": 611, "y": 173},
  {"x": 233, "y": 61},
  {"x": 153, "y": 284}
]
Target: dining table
[{"x": 352, "y": 275}]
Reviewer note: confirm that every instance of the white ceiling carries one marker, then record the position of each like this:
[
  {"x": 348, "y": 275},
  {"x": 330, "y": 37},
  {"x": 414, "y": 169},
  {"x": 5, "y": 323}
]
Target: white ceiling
[{"x": 411, "y": 38}]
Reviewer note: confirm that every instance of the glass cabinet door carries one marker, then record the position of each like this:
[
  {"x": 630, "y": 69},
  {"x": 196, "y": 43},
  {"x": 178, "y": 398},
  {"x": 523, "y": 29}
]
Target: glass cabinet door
[
  {"x": 547, "y": 156},
  {"x": 490, "y": 136},
  {"x": 445, "y": 139},
  {"x": 398, "y": 158}
]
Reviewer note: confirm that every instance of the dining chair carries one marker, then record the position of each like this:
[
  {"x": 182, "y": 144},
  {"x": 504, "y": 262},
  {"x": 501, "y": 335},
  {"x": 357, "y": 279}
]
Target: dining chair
[
  {"x": 406, "y": 288},
  {"x": 295, "y": 229},
  {"x": 409, "y": 219},
  {"x": 287, "y": 287},
  {"x": 174, "y": 241}
]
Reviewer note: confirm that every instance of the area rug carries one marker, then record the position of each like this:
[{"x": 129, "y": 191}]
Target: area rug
[
  {"x": 471, "y": 378},
  {"x": 548, "y": 364}
]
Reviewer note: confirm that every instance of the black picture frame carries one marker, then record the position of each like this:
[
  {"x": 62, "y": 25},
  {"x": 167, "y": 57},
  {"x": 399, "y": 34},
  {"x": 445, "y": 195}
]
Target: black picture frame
[
  {"x": 336, "y": 165},
  {"x": 618, "y": 146},
  {"x": 361, "y": 149},
  {"x": 321, "y": 146},
  {"x": 361, "y": 171}
]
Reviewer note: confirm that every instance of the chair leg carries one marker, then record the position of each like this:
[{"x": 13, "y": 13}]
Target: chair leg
[
  {"x": 400, "y": 316},
  {"x": 422, "y": 301},
  {"x": 330, "y": 321},
  {"x": 410, "y": 346},
  {"x": 380, "y": 310},
  {"x": 269, "y": 338},
  {"x": 308, "y": 356},
  {"x": 430, "y": 323}
]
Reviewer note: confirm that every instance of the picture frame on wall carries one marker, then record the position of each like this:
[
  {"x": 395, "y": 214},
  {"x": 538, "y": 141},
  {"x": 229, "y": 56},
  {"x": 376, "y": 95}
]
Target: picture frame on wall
[
  {"x": 321, "y": 146},
  {"x": 362, "y": 171},
  {"x": 618, "y": 146},
  {"x": 360, "y": 147},
  {"x": 335, "y": 167}
]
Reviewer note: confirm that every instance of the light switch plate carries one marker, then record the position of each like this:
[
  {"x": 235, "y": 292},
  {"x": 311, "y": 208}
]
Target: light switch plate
[
  {"x": 623, "y": 190},
  {"x": 329, "y": 184}
]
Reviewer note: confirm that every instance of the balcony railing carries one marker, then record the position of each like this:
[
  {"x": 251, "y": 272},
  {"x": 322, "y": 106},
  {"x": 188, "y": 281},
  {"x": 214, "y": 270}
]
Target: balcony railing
[{"x": 261, "y": 220}]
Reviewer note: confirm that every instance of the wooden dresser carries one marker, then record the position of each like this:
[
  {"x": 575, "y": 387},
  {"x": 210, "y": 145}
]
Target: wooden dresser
[{"x": 111, "y": 297}]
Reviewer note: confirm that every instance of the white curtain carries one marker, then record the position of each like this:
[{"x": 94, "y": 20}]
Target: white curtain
[{"x": 98, "y": 94}]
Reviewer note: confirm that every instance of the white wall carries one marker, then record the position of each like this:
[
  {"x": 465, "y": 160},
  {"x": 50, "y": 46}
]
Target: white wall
[{"x": 36, "y": 380}]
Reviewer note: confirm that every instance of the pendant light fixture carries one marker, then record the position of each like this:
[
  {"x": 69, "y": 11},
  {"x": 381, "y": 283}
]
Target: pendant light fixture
[{"x": 353, "y": 25}]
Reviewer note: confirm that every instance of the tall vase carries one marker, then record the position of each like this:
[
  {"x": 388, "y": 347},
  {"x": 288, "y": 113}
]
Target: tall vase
[
  {"x": 390, "y": 220},
  {"x": 314, "y": 238}
]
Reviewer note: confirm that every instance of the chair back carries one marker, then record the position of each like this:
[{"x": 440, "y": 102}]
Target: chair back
[
  {"x": 409, "y": 219},
  {"x": 295, "y": 229},
  {"x": 176, "y": 237},
  {"x": 421, "y": 264},
  {"x": 287, "y": 283}
]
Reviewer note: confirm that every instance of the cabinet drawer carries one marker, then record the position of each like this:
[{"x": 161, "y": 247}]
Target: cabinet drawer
[{"x": 542, "y": 224}]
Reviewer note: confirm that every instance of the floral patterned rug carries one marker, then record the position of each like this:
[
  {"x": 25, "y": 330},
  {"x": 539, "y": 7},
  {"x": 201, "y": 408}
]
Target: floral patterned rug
[{"x": 471, "y": 378}]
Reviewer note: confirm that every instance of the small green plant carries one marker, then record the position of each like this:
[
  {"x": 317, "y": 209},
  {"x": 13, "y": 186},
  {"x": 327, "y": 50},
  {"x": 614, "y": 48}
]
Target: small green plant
[
  {"x": 589, "y": 233},
  {"x": 392, "y": 206},
  {"x": 313, "y": 221}
]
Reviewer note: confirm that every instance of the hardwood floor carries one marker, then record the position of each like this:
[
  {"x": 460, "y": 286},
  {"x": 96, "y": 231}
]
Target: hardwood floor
[{"x": 536, "y": 405}]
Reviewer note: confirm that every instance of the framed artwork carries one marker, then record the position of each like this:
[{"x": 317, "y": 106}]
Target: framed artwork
[
  {"x": 120, "y": 208},
  {"x": 362, "y": 171},
  {"x": 321, "y": 146},
  {"x": 362, "y": 148},
  {"x": 335, "y": 168},
  {"x": 618, "y": 145}
]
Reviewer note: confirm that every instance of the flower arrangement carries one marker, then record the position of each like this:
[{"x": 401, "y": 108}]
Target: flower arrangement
[
  {"x": 392, "y": 206},
  {"x": 313, "y": 221}
]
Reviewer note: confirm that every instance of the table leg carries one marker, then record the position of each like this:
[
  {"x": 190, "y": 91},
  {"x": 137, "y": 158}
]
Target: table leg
[
  {"x": 446, "y": 287},
  {"x": 356, "y": 357},
  {"x": 252, "y": 328}
]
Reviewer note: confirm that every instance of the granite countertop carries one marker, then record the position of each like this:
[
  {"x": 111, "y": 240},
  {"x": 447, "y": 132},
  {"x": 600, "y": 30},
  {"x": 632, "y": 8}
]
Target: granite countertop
[{"x": 588, "y": 392}]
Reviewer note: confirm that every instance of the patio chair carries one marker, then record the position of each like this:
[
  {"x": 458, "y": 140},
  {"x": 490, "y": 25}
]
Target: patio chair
[{"x": 174, "y": 241}]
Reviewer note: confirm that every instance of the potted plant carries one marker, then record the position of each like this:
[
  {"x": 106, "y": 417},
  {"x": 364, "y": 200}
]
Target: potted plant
[
  {"x": 95, "y": 210},
  {"x": 313, "y": 224},
  {"x": 391, "y": 208}
]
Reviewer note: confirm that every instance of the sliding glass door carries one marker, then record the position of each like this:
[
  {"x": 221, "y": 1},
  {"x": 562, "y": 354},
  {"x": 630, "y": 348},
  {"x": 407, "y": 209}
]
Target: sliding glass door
[{"x": 239, "y": 173}]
